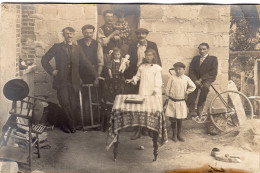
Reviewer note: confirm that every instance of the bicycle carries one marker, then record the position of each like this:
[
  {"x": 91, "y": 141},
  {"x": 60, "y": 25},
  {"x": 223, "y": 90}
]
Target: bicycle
[{"x": 225, "y": 110}]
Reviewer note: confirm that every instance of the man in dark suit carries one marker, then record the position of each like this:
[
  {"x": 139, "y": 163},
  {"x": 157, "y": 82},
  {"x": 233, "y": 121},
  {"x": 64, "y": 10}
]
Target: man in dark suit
[
  {"x": 94, "y": 52},
  {"x": 136, "y": 51},
  {"x": 71, "y": 65},
  {"x": 203, "y": 71}
]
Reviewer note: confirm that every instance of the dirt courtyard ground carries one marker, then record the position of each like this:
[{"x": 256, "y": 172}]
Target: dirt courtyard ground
[{"x": 86, "y": 152}]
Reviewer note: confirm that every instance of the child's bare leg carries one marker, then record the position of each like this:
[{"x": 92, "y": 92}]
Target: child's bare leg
[
  {"x": 174, "y": 130},
  {"x": 179, "y": 129}
]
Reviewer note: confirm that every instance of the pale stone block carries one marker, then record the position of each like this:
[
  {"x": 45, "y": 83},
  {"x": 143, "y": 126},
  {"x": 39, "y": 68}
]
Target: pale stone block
[
  {"x": 217, "y": 26},
  {"x": 90, "y": 11},
  {"x": 182, "y": 11},
  {"x": 197, "y": 38},
  {"x": 151, "y": 12},
  {"x": 70, "y": 12},
  {"x": 222, "y": 53},
  {"x": 175, "y": 39},
  {"x": 172, "y": 26},
  {"x": 49, "y": 11},
  {"x": 209, "y": 11},
  {"x": 155, "y": 37},
  {"x": 147, "y": 24},
  {"x": 221, "y": 39}
]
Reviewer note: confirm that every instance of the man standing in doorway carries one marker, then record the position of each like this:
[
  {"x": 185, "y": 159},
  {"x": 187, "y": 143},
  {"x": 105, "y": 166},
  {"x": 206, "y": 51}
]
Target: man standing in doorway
[
  {"x": 94, "y": 52},
  {"x": 203, "y": 72},
  {"x": 108, "y": 37},
  {"x": 71, "y": 65}
]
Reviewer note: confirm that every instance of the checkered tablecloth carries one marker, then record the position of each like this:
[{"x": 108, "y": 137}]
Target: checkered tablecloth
[{"x": 148, "y": 114}]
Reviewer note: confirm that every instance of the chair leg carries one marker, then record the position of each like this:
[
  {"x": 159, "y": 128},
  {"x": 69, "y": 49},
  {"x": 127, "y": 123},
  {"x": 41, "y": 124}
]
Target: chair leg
[
  {"x": 7, "y": 136},
  {"x": 38, "y": 145}
]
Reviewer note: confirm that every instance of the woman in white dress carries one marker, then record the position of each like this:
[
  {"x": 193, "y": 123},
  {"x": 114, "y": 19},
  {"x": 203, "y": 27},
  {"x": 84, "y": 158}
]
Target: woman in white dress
[
  {"x": 177, "y": 90},
  {"x": 150, "y": 76}
]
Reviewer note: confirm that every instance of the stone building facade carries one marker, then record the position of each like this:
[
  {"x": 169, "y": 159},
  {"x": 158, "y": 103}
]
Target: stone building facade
[{"x": 177, "y": 30}]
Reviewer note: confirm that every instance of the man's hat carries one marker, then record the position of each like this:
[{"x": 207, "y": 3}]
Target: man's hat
[
  {"x": 179, "y": 64},
  {"x": 16, "y": 89},
  {"x": 141, "y": 30}
]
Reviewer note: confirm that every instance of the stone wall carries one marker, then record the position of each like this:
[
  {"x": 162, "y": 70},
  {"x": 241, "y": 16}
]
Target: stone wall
[
  {"x": 8, "y": 55},
  {"x": 179, "y": 29},
  {"x": 50, "y": 19}
]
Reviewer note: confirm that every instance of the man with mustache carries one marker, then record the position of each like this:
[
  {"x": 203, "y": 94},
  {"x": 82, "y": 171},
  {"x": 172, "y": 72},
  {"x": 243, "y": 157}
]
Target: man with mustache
[
  {"x": 203, "y": 72},
  {"x": 137, "y": 53},
  {"x": 94, "y": 52},
  {"x": 71, "y": 66}
]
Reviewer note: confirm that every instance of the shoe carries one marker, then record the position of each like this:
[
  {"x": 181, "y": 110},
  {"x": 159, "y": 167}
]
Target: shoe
[
  {"x": 73, "y": 130},
  {"x": 65, "y": 129}
]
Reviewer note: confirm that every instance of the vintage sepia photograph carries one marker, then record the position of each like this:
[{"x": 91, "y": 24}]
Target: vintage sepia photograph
[{"x": 130, "y": 87}]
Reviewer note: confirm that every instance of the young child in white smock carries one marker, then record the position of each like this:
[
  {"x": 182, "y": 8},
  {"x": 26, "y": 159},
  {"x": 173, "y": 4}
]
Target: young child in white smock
[{"x": 177, "y": 90}]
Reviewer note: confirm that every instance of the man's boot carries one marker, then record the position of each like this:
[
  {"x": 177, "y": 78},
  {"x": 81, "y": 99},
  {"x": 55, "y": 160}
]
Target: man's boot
[
  {"x": 179, "y": 125},
  {"x": 174, "y": 136}
]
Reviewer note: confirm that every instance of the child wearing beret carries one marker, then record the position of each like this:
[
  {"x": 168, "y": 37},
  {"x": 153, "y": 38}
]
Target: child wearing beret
[{"x": 177, "y": 90}]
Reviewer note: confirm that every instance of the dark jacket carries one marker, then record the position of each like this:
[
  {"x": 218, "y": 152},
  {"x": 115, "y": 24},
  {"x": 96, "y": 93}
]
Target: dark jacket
[
  {"x": 207, "y": 71},
  {"x": 75, "y": 66},
  {"x": 132, "y": 51}
]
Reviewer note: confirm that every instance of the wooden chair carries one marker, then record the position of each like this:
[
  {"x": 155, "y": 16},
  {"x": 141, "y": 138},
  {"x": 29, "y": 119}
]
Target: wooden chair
[
  {"x": 21, "y": 122},
  {"x": 91, "y": 106}
]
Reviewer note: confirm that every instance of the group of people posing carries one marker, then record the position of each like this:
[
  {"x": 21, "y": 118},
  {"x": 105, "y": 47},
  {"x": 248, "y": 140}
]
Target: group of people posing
[{"x": 138, "y": 69}]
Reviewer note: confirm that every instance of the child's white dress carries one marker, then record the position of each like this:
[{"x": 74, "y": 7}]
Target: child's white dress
[
  {"x": 150, "y": 77},
  {"x": 177, "y": 88}
]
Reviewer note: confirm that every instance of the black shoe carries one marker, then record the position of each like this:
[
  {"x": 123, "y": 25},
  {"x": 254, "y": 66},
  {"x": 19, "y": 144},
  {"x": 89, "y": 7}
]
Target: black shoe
[
  {"x": 180, "y": 138},
  {"x": 65, "y": 129},
  {"x": 73, "y": 130}
]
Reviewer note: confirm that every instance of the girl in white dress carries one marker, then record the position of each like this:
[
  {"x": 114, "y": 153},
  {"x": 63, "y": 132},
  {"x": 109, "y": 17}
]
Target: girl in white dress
[
  {"x": 177, "y": 90},
  {"x": 150, "y": 76}
]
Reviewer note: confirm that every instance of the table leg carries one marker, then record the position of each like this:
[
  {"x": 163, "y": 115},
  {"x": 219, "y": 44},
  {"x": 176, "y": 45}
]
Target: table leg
[
  {"x": 155, "y": 145},
  {"x": 116, "y": 147}
]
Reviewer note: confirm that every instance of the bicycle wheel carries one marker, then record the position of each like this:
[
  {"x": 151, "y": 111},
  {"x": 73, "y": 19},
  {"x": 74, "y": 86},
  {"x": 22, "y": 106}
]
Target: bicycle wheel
[{"x": 228, "y": 108}]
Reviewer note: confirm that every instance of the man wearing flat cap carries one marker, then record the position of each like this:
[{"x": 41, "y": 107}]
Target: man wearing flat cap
[
  {"x": 136, "y": 51},
  {"x": 203, "y": 72}
]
